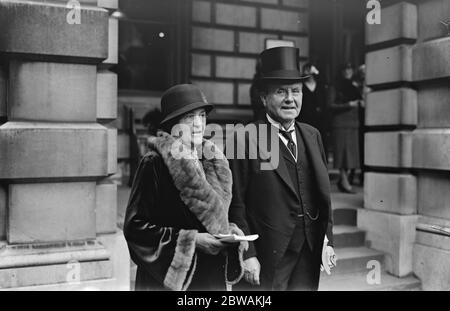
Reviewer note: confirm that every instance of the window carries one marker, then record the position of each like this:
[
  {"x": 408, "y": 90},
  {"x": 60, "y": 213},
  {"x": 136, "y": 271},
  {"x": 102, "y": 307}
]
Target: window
[{"x": 151, "y": 44}]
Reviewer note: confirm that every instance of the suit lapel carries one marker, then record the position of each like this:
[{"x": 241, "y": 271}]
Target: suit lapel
[
  {"x": 315, "y": 157},
  {"x": 281, "y": 169}
]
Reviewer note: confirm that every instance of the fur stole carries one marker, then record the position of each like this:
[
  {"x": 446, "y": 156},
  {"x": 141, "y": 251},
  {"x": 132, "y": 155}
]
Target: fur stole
[{"x": 205, "y": 188}]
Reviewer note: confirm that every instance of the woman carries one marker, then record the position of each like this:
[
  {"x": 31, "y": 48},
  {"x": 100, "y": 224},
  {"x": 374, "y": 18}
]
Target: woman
[
  {"x": 179, "y": 201},
  {"x": 360, "y": 83},
  {"x": 346, "y": 128}
]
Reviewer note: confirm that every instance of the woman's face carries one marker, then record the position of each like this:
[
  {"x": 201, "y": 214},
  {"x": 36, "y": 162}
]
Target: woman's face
[{"x": 193, "y": 126}]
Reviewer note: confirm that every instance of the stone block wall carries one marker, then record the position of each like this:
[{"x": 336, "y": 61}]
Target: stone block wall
[
  {"x": 58, "y": 148},
  {"x": 226, "y": 38},
  {"x": 407, "y": 146}
]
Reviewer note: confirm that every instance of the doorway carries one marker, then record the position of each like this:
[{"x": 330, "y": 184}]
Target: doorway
[{"x": 337, "y": 35}]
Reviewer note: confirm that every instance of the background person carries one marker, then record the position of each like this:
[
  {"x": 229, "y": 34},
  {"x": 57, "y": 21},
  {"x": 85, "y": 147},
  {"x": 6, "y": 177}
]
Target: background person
[
  {"x": 259, "y": 112},
  {"x": 345, "y": 126},
  {"x": 360, "y": 83},
  {"x": 314, "y": 108}
]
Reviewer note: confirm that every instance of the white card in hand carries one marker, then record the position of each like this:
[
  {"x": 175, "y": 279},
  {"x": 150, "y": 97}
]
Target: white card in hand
[{"x": 233, "y": 238}]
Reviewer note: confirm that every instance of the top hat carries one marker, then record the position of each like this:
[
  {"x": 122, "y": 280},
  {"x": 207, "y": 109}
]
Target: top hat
[
  {"x": 281, "y": 63},
  {"x": 181, "y": 99}
]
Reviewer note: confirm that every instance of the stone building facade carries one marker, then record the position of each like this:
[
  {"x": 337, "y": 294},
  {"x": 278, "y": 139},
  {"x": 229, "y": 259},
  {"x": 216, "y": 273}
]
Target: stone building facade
[
  {"x": 406, "y": 194},
  {"x": 226, "y": 38},
  {"x": 57, "y": 99}
]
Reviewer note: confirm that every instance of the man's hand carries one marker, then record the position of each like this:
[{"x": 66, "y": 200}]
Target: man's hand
[
  {"x": 252, "y": 268},
  {"x": 329, "y": 259},
  {"x": 208, "y": 244}
]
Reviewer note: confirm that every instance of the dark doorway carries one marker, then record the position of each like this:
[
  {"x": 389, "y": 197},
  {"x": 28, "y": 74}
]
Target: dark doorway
[
  {"x": 152, "y": 44},
  {"x": 337, "y": 35}
]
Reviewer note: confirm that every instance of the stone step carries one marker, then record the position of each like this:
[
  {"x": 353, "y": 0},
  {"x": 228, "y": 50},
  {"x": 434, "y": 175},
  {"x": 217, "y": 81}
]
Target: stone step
[
  {"x": 360, "y": 282},
  {"x": 345, "y": 200},
  {"x": 348, "y": 236},
  {"x": 355, "y": 259},
  {"x": 345, "y": 216},
  {"x": 345, "y": 207}
]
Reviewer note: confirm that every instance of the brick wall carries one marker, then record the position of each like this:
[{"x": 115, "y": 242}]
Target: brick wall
[
  {"x": 407, "y": 146},
  {"x": 226, "y": 38}
]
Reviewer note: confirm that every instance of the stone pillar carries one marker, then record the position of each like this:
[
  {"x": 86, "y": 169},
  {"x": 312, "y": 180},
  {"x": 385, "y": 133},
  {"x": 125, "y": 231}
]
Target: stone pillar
[
  {"x": 431, "y": 144},
  {"x": 406, "y": 194},
  {"x": 2, "y": 93},
  {"x": 57, "y": 149}
]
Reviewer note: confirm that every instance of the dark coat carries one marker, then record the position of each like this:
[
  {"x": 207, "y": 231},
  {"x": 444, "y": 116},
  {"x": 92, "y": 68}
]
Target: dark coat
[
  {"x": 314, "y": 108},
  {"x": 169, "y": 203},
  {"x": 346, "y": 126},
  {"x": 263, "y": 200},
  {"x": 345, "y": 116}
]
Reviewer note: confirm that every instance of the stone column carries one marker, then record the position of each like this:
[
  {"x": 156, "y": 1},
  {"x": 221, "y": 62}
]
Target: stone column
[
  {"x": 57, "y": 148},
  {"x": 408, "y": 146},
  {"x": 390, "y": 203},
  {"x": 431, "y": 144}
]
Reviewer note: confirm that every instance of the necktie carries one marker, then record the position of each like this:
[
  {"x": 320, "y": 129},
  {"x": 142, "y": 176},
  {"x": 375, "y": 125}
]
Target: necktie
[{"x": 290, "y": 144}]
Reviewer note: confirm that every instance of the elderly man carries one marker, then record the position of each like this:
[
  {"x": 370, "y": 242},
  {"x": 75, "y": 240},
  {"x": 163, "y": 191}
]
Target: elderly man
[{"x": 288, "y": 206}]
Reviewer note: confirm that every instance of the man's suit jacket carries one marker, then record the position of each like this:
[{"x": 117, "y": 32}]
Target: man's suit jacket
[{"x": 263, "y": 200}]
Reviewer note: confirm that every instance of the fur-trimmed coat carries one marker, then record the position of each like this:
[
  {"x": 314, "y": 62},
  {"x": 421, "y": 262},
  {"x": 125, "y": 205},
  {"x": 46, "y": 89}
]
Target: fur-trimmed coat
[{"x": 171, "y": 200}]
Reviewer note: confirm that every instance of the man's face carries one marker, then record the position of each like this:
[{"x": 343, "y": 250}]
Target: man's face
[{"x": 283, "y": 101}]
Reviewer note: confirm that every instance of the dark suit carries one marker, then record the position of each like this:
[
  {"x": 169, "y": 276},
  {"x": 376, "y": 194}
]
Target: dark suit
[{"x": 268, "y": 202}]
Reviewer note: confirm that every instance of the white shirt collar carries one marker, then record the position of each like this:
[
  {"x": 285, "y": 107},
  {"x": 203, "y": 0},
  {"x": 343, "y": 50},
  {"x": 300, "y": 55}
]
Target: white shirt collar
[
  {"x": 278, "y": 124},
  {"x": 281, "y": 128}
]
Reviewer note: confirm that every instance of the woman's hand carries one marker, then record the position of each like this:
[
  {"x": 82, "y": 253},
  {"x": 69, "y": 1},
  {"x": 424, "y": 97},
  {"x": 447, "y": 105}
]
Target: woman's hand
[
  {"x": 236, "y": 230},
  {"x": 208, "y": 244}
]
